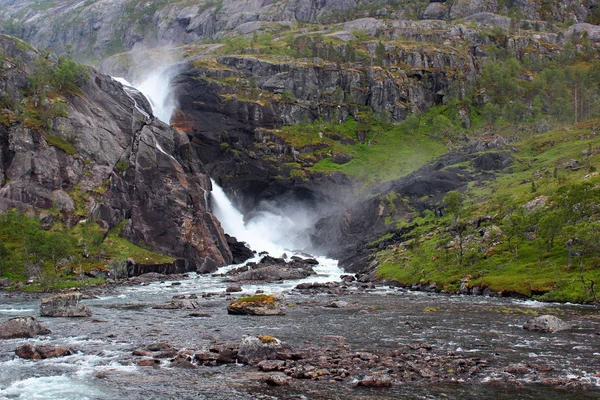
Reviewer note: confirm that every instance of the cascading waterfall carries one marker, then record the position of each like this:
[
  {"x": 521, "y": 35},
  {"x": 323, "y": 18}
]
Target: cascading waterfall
[{"x": 275, "y": 231}]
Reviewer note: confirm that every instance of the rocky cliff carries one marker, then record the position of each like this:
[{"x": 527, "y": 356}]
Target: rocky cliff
[
  {"x": 95, "y": 29},
  {"x": 94, "y": 152}
]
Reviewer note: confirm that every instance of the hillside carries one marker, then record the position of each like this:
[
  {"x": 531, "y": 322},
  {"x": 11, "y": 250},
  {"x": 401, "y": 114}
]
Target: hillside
[{"x": 418, "y": 132}]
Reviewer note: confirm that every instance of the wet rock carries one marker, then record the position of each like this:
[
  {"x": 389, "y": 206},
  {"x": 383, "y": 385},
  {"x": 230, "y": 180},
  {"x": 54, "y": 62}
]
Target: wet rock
[
  {"x": 547, "y": 324},
  {"x": 239, "y": 250},
  {"x": 162, "y": 346},
  {"x": 517, "y": 369},
  {"x": 5, "y": 282},
  {"x": 63, "y": 305},
  {"x": 260, "y": 304},
  {"x": 148, "y": 363},
  {"x": 233, "y": 289},
  {"x": 218, "y": 354},
  {"x": 182, "y": 364},
  {"x": 254, "y": 349},
  {"x": 198, "y": 315},
  {"x": 31, "y": 352},
  {"x": 22, "y": 327},
  {"x": 276, "y": 379},
  {"x": 273, "y": 269},
  {"x": 141, "y": 352},
  {"x": 179, "y": 304},
  {"x": 337, "y": 304},
  {"x": 375, "y": 380}
]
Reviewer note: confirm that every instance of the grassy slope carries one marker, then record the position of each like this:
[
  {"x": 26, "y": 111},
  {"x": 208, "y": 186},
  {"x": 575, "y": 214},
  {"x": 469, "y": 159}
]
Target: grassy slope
[{"x": 544, "y": 275}]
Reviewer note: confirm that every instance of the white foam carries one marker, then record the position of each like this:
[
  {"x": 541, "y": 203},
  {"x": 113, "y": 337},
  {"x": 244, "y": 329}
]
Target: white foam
[{"x": 51, "y": 387}]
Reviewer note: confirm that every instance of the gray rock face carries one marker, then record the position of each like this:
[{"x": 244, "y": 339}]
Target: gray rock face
[
  {"x": 107, "y": 27},
  {"x": 22, "y": 327},
  {"x": 63, "y": 305},
  {"x": 546, "y": 324},
  {"x": 127, "y": 165}
]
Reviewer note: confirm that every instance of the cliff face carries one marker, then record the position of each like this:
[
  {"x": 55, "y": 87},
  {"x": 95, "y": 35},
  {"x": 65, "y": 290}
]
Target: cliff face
[
  {"x": 102, "y": 157},
  {"x": 100, "y": 28}
]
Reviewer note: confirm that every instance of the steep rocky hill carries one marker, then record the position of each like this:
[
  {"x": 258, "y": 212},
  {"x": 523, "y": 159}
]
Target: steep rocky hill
[
  {"x": 96, "y": 29},
  {"x": 77, "y": 147}
]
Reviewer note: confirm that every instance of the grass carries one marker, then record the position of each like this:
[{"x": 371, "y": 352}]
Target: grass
[
  {"x": 60, "y": 143},
  {"x": 535, "y": 272}
]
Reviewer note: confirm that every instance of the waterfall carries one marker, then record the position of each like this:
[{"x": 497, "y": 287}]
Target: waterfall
[
  {"x": 273, "y": 229},
  {"x": 155, "y": 87},
  {"x": 273, "y": 232}
]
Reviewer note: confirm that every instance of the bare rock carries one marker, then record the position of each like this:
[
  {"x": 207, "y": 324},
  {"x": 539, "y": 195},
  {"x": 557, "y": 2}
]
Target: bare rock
[
  {"x": 22, "y": 327},
  {"x": 233, "y": 289},
  {"x": 547, "y": 324},
  {"x": 64, "y": 305},
  {"x": 148, "y": 363},
  {"x": 271, "y": 365}
]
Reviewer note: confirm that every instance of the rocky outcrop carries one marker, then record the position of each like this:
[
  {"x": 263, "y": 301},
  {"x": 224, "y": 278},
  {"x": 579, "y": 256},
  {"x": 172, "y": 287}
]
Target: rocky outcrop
[
  {"x": 64, "y": 305},
  {"x": 106, "y": 159},
  {"x": 22, "y": 327},
  {"x": 271, "y": 269},
  {"x": 97, "y": 29}
]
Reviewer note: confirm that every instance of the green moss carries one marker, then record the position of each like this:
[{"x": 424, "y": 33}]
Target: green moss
[{"x": 60, "y": 143}]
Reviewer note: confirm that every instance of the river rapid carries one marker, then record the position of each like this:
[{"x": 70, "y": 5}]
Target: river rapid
[{"x": 375, "y": 320}]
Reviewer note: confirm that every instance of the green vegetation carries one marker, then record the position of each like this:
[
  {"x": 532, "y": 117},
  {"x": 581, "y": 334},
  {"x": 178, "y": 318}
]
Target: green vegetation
[
  {"x": 488, "y": 239},
  {"x": 56, "y": 258},
  {"x": 61, "y": 144}
]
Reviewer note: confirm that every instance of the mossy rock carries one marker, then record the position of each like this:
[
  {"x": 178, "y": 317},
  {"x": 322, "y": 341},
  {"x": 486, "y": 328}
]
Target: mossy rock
[{"x": 260, "y": 304}]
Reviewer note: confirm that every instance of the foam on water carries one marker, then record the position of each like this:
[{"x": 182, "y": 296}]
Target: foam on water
[{"x": 51, "y": 387}]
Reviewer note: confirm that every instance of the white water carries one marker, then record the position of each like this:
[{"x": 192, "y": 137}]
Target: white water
[{"x": 155, "y": 87}]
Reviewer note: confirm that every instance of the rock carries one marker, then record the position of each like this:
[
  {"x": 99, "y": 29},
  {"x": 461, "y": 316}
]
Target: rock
[
  {"x": 536, "y": 203},
  {"x": 254, "y": 349},
  {"x": 63, "y": 305},
  {"x": 260, "y": 304},
  {"x": 199, "y": 315},
  {"x": 239, "y": 251},
  {"x": 161, "y": 346},
  {"x": 148, "y": 363},
  {"x": 436, "y": 11},
  {"x": 182, "y": 364},
  {"x": 277, "y": 379},
  {"x": 341, "y": 159},
  {"x": 546, "y": 324},
  {"x": 22, "y": 327},
  {"x": 273, "y": 269},
  {"x": 31, "y": 352},
  {"x": 375, "y": 380},
  {"x": 142, "y": 353},
  {"x": 271, "y": 365},
  {"x": 217, "y": 355},
  {"x": 179, "y": 304},
  {"x": 233, "y": 289},
  {"x": 571, "y": 164},
  {"x": 337, "y": 304},
  {"x": 5, "y": 282}
]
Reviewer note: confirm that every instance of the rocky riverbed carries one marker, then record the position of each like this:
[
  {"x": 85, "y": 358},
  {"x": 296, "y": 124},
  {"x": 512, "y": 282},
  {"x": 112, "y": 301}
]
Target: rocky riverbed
[{"x": 339, "y": 341}]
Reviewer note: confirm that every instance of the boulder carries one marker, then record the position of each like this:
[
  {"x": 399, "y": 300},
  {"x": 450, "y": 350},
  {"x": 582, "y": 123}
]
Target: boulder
[
  {"x": 546, "y": 324},
  {"x": 233, "y": 289},
  {"x": 276, "y": 379},
  {"x": 179, "y": 304},
  {"x": 64, "y": 305},
  {"x": 375, "y": 380},
  {"x": 31, "y": 352},
  {"x": 239, "y": 250},
  {"x": 260, "y": 304},
  {"x": 273, "y": 269},
  {"x": 254, "y": 349},
  {"x": 341, "y": 159},
  {"x": 22, "y": 327}
]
